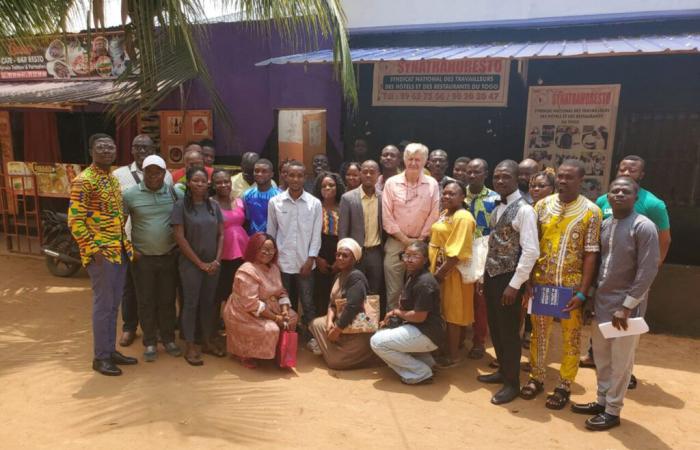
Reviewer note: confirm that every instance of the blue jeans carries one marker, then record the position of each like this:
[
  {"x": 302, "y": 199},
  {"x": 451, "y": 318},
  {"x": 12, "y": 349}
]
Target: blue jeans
[
  {"x": 107, "y": 281},
  {"x": 301, "y": 289},
  {"x": 406, "y": 350}
]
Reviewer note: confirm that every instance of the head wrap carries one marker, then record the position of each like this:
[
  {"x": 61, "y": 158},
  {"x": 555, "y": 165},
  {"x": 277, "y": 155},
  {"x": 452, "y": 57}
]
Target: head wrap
[{"x": 352, "y": 245}]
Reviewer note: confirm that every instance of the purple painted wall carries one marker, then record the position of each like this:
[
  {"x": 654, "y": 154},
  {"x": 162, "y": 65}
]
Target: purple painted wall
[{"x": 252, "y": 93}]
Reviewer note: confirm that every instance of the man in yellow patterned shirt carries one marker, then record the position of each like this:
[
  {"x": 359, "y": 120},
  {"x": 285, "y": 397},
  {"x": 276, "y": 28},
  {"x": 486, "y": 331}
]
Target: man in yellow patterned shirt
[
  {"x": 569, "y": 231},
  {"x": 96, "y": 219}
]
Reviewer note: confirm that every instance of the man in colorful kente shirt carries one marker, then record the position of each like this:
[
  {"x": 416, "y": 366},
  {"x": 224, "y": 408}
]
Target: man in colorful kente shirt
[
  {"x": 481, "y": 202},
  {"x": 96, "y": 219},
  {"x": 569, "y": 232}
]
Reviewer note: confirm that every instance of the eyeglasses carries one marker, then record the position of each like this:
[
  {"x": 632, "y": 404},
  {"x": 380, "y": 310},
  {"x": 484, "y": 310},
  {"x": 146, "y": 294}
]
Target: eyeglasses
[
  {"x": 407, "y": 257},
  {"x": 105, "y": 148},
  {"x": 268, "y": 251}
]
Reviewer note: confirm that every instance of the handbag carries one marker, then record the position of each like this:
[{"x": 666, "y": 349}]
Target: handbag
[
  {"x": 473, "y": 270},
  {"x": 287, "y": 349},
  {"x": 366, "y": 321}
]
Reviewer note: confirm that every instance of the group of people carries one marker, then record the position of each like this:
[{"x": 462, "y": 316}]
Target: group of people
[{"x": 388, "y": 260}]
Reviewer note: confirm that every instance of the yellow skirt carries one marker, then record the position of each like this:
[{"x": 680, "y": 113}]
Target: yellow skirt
[{"x": 457, "y": 299}]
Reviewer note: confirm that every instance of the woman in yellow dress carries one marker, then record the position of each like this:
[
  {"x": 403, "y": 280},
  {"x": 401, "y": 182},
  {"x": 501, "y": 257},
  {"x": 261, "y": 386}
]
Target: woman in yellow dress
[{"x": 451, "y": 241}]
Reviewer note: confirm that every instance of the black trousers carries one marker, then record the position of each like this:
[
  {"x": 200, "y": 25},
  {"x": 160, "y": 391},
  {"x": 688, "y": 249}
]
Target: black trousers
[
  {"x": 155, "y": 279},
  {"x": 372, "y": 265},
  {"x": 130, "y": 314},
  {"x": 225, "y": 285},
  {"x": 504, "y": 326}
]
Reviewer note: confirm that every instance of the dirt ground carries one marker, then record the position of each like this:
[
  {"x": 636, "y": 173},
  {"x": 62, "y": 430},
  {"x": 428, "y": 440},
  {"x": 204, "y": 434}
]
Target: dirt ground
[{"x": 50, "y": 397}]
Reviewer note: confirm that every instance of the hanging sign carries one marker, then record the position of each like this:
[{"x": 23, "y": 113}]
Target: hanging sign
[
  {"x": 574, "y": 122},
  {"x": 439, "y": 82},
  {"x": 64, "y": 57}
]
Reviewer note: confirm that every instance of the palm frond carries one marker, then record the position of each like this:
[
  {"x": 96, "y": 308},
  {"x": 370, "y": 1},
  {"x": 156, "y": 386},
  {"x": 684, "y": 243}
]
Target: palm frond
[{"x": 300, "y": 22}]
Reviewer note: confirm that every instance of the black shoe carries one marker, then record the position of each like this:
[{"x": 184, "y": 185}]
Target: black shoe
[
  {"x": 633, "y": 382},
  {"x": 118, "y": 358},
  {"x": 106, "y": 367},
  {"x": 491, "y": 378},
  {"x": 506, "y": 394},
  {"x": 602, "y": 422},
  {"x": 590, "y": 409}
]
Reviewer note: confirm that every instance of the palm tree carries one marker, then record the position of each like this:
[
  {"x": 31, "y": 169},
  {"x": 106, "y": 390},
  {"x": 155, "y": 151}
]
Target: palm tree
[{"x": 163, "y": 38}]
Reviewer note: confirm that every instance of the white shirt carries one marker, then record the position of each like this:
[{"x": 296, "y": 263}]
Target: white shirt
[
  {"x": 296, "y": 226},
  {"x": 126, "y": 180},
  {"x": 525, "y": 223}
]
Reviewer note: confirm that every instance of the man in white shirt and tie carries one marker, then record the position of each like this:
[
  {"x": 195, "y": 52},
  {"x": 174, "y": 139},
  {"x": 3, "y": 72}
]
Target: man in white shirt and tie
[{"x": 513, "y": 251}]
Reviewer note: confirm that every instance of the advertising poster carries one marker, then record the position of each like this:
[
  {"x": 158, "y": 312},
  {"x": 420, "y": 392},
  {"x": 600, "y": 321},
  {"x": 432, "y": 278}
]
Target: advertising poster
[
  {"x": 462, "y": 82},
  {"x": 53, "y": 180},
  {"x": 565, "y": 122},
  {"x": 64, "y": 57}
]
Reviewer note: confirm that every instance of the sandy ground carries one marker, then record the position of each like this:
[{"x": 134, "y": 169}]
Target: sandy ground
[{"x": 50, "y": 397}]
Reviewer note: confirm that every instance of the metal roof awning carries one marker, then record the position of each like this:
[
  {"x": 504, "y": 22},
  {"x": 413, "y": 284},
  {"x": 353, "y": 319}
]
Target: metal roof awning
[
  {"x": 620, "y": 46},
  {"x": 57, "y": 92}
]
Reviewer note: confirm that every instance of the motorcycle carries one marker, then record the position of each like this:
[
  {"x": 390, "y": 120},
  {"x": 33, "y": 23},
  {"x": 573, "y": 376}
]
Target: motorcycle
[{"x": 59, "y": 247}]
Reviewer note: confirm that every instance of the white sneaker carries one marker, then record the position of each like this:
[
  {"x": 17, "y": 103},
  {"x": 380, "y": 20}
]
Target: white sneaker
[{"x": 313, "y": 347}]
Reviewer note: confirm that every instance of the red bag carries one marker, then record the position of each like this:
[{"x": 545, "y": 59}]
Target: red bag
[{"x": 287, "y": 349}]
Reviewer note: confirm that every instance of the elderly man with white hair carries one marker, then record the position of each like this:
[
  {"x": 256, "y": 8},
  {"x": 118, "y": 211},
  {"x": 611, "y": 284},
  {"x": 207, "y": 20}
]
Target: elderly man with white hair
[{"x": 410, "y": 206}]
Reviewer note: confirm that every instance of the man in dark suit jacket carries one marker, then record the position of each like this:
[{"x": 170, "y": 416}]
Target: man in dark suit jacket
[{"x": 361, "y": 219}]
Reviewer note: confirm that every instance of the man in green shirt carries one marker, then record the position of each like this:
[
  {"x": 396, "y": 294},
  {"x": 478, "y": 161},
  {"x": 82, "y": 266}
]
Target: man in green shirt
[
  {"x": 150, "y": 204},
  {"x": 647, "y": 204}
]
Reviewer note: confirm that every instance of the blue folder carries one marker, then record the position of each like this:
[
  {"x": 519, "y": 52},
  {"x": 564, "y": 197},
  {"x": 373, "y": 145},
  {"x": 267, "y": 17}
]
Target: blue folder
[{"x": 550, "y": 300}]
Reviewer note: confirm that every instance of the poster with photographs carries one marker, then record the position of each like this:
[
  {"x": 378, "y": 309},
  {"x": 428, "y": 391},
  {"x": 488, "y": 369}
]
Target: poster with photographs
[{"x": 574, "y": 122}]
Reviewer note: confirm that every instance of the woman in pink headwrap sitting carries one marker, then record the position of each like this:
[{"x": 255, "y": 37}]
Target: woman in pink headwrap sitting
[{"x": 344, "y": 333}]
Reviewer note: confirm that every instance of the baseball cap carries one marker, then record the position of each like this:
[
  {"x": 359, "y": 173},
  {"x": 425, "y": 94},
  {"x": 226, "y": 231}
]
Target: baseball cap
[{"x": 153, "y": 160}]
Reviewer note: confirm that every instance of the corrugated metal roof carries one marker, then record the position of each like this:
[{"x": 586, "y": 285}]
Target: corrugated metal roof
[
  {"x": 686, "y": 43},
  {"x": 29, "y": 92}
]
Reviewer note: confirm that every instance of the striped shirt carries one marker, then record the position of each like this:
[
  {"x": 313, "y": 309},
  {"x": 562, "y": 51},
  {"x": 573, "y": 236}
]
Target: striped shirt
[{"x": 96, "y": 216}]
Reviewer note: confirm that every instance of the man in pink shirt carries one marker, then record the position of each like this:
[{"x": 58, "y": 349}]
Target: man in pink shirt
[{"x": 410, "y": 206}]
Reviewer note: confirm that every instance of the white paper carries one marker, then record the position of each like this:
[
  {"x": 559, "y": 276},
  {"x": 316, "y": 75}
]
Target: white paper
[{"x": 635, "y": 326}]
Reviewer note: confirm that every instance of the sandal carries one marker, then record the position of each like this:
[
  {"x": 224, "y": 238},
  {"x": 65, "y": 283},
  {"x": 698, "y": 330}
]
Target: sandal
[
  {"x": 213, "y": 350},
  {"x": 558, "y": 399},
  {"x": 531, "y": 389},
  {"x": 477, "y": 352},
  {"x": 248, "y": 363},
  {"x": 193, "y": 360}
]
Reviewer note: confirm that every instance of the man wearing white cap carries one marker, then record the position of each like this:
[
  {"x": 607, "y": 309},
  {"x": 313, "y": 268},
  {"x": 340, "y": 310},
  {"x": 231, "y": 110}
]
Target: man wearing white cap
[
  {"x": 131, "y": 175},
  {"x": 149, "y": 204}
]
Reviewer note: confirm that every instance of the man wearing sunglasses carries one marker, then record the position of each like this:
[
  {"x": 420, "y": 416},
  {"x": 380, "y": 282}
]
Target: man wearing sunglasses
[{"x": 128, "y": 176}]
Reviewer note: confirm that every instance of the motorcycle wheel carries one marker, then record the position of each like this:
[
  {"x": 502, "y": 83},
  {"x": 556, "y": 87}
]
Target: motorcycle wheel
[{"x": 56, "y": 266}]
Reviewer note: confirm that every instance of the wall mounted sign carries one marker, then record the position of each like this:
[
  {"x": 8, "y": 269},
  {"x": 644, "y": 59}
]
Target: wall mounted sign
[{"x": 439, "y": 82}]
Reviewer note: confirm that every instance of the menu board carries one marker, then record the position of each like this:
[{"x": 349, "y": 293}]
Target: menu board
[
  {"x": 64, "y": 57},
  {"x": 52, "y": 180}
]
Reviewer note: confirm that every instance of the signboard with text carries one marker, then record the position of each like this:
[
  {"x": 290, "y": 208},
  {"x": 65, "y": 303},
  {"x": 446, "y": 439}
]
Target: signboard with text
[
  {"x": 463, "y": 82},
  {"x": 574, "y": 122},
  {"x": 64, "y": 57},
  {"x": 53, "y": 180}
]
